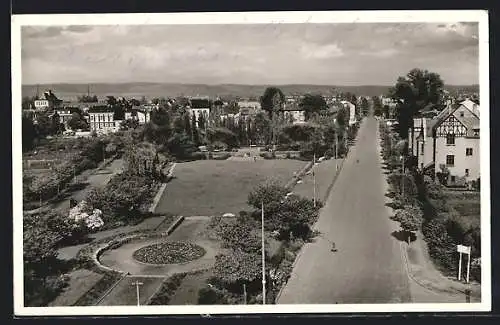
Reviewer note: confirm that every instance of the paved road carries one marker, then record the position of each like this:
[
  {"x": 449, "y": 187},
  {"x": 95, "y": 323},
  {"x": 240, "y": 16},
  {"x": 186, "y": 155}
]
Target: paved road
[{"x": 368, "y": 266}]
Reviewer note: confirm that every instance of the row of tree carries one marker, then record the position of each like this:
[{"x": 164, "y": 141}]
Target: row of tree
[{"x": 288, "y": 218}]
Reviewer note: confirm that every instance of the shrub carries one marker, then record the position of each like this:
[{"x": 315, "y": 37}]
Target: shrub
[
  {"x": 211, "y": 296},
  {"x": 442, "y": 248}
]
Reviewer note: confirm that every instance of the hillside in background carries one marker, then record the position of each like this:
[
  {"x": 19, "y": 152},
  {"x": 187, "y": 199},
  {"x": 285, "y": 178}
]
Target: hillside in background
[{"x": 151, "y": 90}]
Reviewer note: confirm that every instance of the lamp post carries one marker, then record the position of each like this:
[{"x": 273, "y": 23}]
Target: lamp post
[
  {"x": 263, "y": 258},
  {"x": 314, "y": 179},
  {"x": 402, "y": 176}
]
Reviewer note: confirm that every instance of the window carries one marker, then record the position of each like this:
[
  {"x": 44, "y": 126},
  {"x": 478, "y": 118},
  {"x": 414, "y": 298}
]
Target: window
[
  {"x": 476, "y": 132},
  {"x": 466, "y": 172},
  {"x": 450, "y": 139},
  {"x": 450, "y": 160},
  {"x": 461, "y": 113},
  {"x": 453, "y": 179},
  {"x": 421, "y": 165},
  {"x": 422, "y": 149},
  {"x": 468, "y": 151}
]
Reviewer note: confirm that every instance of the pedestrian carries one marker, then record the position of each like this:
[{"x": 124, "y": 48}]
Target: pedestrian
[{"x": 333, "y": 247}]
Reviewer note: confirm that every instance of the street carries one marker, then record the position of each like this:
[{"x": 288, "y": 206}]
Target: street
[{"x": 368, "y": 267}]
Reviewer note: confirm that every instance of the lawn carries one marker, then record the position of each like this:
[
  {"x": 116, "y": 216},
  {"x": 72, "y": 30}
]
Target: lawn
[
  {"x": 468, "y": 205},
  {"x": 215, "y": 187},
  {"x": 80, "y": 282}
]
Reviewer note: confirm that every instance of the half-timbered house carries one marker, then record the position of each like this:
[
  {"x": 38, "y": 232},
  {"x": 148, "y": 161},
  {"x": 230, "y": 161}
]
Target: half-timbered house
[{"x": 448, "y": 143}]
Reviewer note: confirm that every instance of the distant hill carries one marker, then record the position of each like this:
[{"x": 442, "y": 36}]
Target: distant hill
[{"x": 151, "y": 90}]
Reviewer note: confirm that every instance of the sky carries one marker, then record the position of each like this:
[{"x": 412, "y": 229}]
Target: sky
[{"x": 327, "y": 54}]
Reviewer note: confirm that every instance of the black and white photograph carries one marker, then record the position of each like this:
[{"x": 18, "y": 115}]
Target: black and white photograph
[{"x": 258, "y": 162}]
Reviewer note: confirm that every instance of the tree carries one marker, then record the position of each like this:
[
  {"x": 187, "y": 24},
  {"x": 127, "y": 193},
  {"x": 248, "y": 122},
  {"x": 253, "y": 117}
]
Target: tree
[
  {"x": 29, "y": 133},
  {"x": 181, "y": 146},
  {"x": 77, "y": 122},
  {"x": 365, "y": 106},
  {"x": 272, "y": 100},
  {"x": 238, "y": 266},
  {"x": 223, "y": 135},
  {"x": 267, "y": 193},
  {"x": 412, "y": 93},
  {"x": 410, "y": 218},
  {"x": 232, "y": 108},
  {"x": 261, "y": 128},
  {"x": 194, "y": 128},
  {"x": 202, "y": 121},
  {"x": 312, "y": 104},
  {"x": 187, "y": 126},
  {"x": 129, "y": 124}
]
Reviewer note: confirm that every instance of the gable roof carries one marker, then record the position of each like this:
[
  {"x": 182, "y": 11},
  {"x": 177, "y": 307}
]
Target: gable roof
[{"x": 470, "y": 121}]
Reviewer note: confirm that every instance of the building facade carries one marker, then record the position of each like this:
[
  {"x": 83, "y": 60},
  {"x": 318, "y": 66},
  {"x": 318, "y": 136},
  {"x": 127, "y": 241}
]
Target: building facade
[
  {"x": 448, "y": 144},
  {"x": 101, "y": 120}
]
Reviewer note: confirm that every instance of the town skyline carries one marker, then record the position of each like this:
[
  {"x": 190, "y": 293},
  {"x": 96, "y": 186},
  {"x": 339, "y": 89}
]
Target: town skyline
[{"x": 320, "y": 54}]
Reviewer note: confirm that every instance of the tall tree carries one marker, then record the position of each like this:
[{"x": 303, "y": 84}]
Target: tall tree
[
  {"x": 312, "y": 104},
  {"x": 413, "y": 92}
]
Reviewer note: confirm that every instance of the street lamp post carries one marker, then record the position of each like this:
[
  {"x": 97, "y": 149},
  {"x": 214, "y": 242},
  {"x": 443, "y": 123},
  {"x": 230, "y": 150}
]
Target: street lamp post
[
  {"x": 402, "y": 177},
  {"x": 314, "y": 179},
  {"x": 263, "y": 258}
]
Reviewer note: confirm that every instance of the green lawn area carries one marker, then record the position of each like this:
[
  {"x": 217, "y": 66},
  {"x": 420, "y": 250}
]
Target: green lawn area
[
  {"x": 211, "y": 187},
  {"x": 468, "y": 206}
]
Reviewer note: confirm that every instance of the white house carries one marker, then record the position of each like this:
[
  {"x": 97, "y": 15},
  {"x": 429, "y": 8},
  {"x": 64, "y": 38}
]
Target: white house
[
  {"x": 352, "y": 111},
  {"x": 199, "y": 106},
  {"x": 41, "y": 104},
  {"x": 142, "y": 116},
  {"x": 294, "y": 113},
  {"x": 101, "y": 120}
]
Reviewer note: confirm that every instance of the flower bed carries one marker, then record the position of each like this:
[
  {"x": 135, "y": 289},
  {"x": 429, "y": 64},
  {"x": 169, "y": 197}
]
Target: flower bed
[{"x": 169, "y": 253}]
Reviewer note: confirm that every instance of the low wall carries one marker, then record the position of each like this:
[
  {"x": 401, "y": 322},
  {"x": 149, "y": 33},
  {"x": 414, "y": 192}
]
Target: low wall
[
  {"x": 300, "y": 174},
  {"x": 118, "y": 242}
]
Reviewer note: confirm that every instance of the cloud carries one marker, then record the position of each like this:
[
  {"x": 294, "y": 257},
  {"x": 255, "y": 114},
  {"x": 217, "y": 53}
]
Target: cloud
[
  {"x": 321, "y": 51},
  {"x": 281, "y": 53}
]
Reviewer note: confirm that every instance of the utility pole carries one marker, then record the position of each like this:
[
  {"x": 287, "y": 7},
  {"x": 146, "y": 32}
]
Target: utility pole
[
  {"x": 403, "y": 177},
  {"x": 314, "y": 179},
  {"x": 137, "y": 284},
  {"x": 245, "y": 293},
  {"x": 263, "y": 259}
]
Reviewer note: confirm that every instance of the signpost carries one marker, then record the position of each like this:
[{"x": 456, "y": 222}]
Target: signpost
[
  {"x": 461, "y": 249},
  {"x": 137, "y": 284}
]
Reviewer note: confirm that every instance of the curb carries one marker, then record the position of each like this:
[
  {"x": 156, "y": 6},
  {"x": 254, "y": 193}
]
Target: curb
[
  {"x": 157, "y": 197},
  {"x": 110, "y": 289},
  {"x": 426, "y": 286},
  {"x": 174, "y": 226}
]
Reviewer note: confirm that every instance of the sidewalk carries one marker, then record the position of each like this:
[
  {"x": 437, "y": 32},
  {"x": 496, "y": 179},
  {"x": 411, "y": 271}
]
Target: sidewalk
[
  {"x": 431, "y": 283},
  {"x": 325, "y": 176}
]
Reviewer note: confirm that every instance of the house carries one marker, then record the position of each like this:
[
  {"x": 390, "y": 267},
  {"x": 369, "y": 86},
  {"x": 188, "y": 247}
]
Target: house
[
  {"x": 101, "y": 119},
  {"x": 448, "y": 142},
  {"x": 65, "y": 115},
  {"x": 143, "y": 116},
  {"x": 199, "y": 106},
  {"x": 251, "y": 105},
  {"x": 42, "y": 104},
  {"x": 351, "y": 109},
  {"x": 471, "y": 106},
  {"x": 294, "y": 114}
]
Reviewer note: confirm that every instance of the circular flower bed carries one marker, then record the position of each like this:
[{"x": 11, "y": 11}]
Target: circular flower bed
[{"x": 169, "y": 253}]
